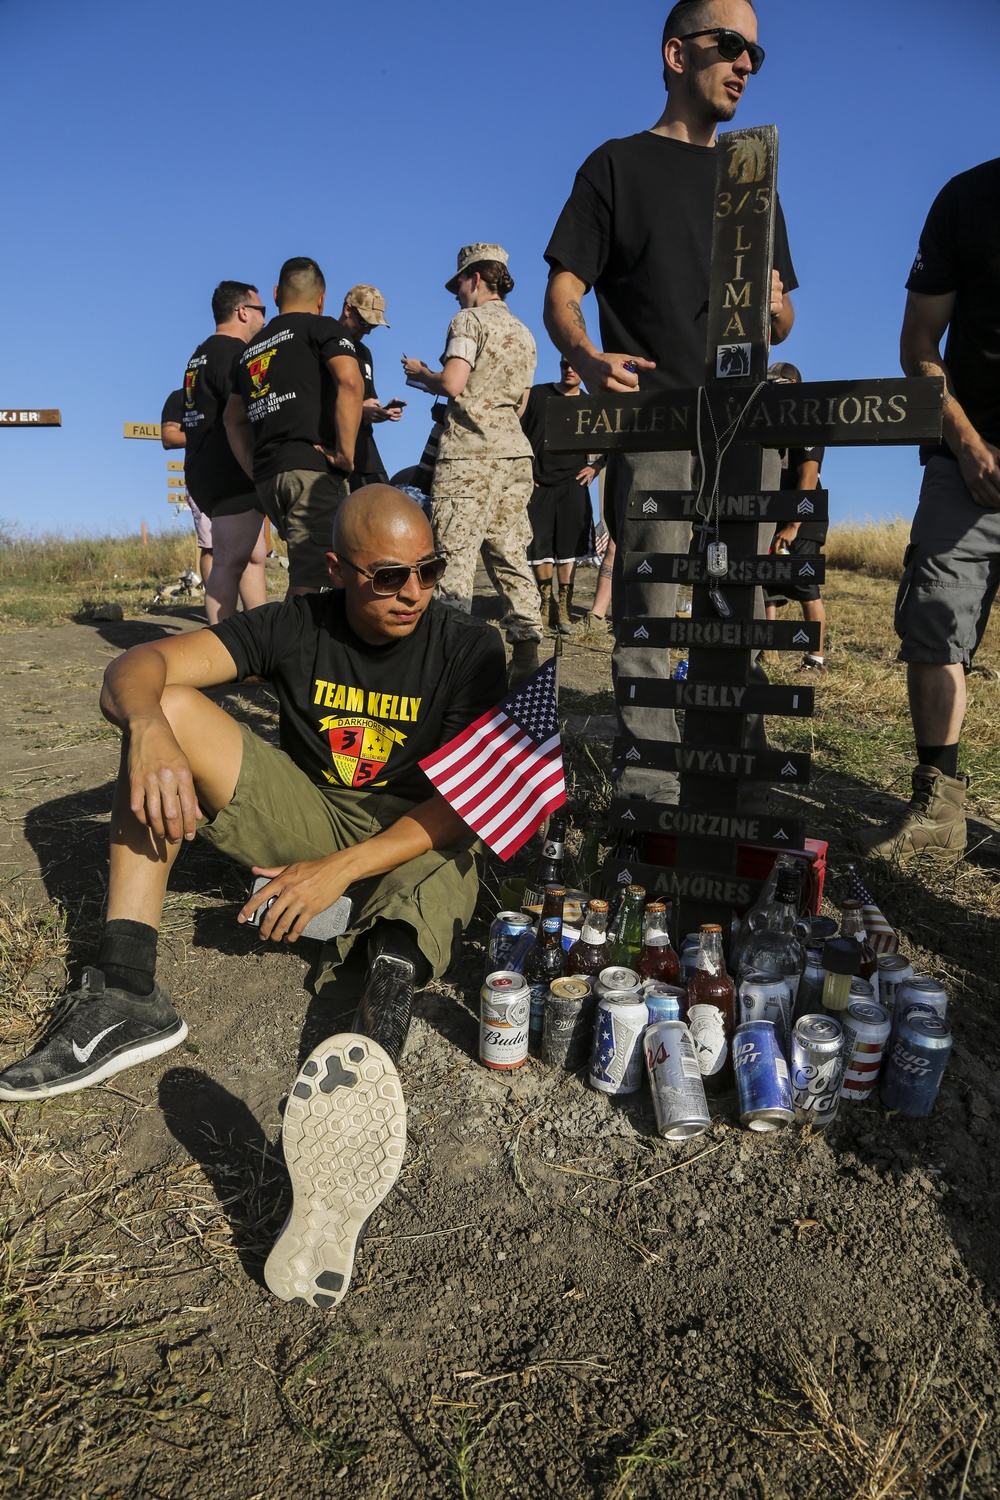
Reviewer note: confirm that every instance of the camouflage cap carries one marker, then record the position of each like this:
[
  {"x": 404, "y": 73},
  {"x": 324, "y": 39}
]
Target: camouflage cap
[
  {"x": 369, "y": 302},
  {"x": 471, "y": 255}
]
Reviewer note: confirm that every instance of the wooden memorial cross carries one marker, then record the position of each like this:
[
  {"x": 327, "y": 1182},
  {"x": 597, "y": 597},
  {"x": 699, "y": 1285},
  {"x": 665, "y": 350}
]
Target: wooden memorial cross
[{"x": 715, "y": 755}]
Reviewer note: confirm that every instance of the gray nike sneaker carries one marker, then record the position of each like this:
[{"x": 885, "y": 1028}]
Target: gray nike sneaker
[{"x": 97, "y": 1033}]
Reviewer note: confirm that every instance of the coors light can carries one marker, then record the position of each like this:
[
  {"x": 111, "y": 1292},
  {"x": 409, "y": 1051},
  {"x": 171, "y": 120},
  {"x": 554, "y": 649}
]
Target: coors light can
[{"x": 817, "y": 1065}]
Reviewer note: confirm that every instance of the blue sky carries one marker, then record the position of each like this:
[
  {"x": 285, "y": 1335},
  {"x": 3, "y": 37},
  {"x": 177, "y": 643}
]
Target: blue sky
[{"x": 152, "y": 152}]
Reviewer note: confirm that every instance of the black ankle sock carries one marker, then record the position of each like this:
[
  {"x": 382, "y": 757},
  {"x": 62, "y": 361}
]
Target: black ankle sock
[
  {"x": 945, "y": 757},
  {"x": 397, "y": 939},
  {"x": 127, "y": 958}
]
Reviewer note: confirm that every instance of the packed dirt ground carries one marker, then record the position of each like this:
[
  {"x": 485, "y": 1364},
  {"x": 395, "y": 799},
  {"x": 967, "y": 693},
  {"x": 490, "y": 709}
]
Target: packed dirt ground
[{"x": 553, "y": 1300}]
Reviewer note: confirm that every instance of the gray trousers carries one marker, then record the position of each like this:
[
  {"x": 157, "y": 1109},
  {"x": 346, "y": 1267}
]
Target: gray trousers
[{"x": 656, "y": 471}]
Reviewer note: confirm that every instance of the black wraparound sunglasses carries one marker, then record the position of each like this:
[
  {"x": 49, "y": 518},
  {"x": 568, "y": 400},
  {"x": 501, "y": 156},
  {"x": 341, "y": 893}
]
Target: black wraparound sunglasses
[
  {"x": 731, "y": 45},
  {"x": 392, "y": 577}
]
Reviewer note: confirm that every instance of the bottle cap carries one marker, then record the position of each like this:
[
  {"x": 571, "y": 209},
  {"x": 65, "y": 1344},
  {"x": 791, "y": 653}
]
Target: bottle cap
[{"x": 841, "y": 956}]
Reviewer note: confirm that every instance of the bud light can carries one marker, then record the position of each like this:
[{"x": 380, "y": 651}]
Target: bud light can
[
  {"x": 762, "y": 1082},
  {"x": 520, "y": 947},
  {"x": 569, "y": 1023},
  {"x": 664, "y": 1002},
  {"x": 866, "y": 1033},
  {"x": 675, "y": 1080},
  {"x": 687, "y": 958},
  {"x": 766, "y": 997},
  {"x": 918, "y": 1056},
  {"x": 506, "y": 928},
  {"x": 504, "y": 1005},
  {"x": 921, "y": 989},
  {"x": 893, "y": 970},
  {"x": 817, "y": 1065},
  {"x": 616, "y": 1057}
]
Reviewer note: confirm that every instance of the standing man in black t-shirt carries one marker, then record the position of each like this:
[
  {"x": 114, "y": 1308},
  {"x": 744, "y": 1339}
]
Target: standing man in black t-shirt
[
  {"x": 364, "y": 311},
  {"x": 952, "y": 565},
  {"x": 371, "y": 677},
  {"x": 215, "y": 481},
  {"x": 293, "y": 419},
  {"x": 638, "y": 229},
  {"x": 562, "y": 522},
  {"x": 800, "y": 470},
  {"x": 172, "y": 439}
]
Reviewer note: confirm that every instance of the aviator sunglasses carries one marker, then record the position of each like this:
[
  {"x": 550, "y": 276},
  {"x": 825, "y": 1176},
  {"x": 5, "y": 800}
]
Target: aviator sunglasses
[
  {"x": 730, "y": 45},
  {"x": 394, "y": 576}
]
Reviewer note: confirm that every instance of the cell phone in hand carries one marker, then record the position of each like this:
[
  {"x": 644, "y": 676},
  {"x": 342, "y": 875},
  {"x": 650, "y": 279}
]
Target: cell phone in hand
[{"x": 324, "y": 925}]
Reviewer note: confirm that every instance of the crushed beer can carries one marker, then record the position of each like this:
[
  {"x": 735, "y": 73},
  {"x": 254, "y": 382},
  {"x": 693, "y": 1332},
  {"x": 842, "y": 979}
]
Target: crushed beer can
[{"x": 678, "y": 1089}]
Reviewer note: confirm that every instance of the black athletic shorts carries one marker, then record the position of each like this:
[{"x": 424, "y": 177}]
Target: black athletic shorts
[
  {"x": 804, "y": 593},
  {"x": 562, "y": 523}
]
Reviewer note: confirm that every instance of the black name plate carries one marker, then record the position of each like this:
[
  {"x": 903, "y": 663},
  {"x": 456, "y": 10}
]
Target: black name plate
[
  {"x": 745, "y": 635},
  {"x": 679, "y": 567},
  {"x": 787, "y": 766},
  {"x": 688, "y": 822},
  {"x": 765, "y": 505},
  {"x": 684, "y": 885},
  {"x": 663, "y": 692},
  {"x": 835, "y": 413}
]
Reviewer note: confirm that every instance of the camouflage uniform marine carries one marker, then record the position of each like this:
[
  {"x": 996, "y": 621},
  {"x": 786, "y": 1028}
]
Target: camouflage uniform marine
[{"x": 483, "y": 475}]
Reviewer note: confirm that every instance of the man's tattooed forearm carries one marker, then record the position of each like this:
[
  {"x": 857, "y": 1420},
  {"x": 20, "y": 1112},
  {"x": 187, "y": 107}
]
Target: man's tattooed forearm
[
  {"x": 576, "y": 310},
  {"x": 932, "y": 367}
]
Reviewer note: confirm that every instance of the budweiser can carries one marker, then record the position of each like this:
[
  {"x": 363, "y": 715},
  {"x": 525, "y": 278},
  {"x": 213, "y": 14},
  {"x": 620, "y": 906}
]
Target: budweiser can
[
  {"x": 893, "y": 970},
  {"x": 617, "y": 981},
  {"x": 766, "y": 997},
  {"x": 664, "y": 1002},
  {"x": 921, "y": 989},
  {"x": 569, "y": 1023},
  {"x": 504, "y": 1006},
  {"x": 866, "y": 1032},
  {"x": 506, "y": 928},
  {"x": 914, "y": 1068},
  {"x": 762, "y": 1082},
  {"x": 817, "y": 1065},
  {"x": 675, "y": 1080},
  {"x": 616, "y": 1055}
]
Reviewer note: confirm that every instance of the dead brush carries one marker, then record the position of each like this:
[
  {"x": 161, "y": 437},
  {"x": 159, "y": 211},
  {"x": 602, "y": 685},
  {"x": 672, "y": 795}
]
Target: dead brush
[
  {"x": 872, "y": 547},
  {"x": 921, "y": 1438},
  {"x": 33, "y": 947}
]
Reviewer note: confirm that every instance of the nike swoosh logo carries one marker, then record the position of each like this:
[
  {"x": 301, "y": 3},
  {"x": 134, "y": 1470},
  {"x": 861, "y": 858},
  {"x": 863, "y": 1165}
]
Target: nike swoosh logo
[{"x": 83, "y": 1054}]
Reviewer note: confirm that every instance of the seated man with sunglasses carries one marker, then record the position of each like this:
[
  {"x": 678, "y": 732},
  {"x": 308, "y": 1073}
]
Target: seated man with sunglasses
[{"x": 371, "y": 677}]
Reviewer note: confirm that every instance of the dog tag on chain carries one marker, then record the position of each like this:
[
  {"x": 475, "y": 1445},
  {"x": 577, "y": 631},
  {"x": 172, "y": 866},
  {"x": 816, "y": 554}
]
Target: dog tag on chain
[
  {"x": 717, "y": 560},
  {"x": 720, "y": 603}
]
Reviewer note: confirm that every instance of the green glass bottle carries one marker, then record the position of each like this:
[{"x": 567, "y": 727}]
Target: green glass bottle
[{"x": 627, "y": 943}]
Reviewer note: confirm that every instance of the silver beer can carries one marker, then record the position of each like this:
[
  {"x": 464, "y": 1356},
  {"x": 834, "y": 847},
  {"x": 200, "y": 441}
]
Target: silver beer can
[
  {"x": 767, "y": 997},
  {"x": 616, "y": 1055},
  {"x": 504, "y": 1006},
  {"x": 862, "y": 990},
  {"x": 675, "y": 1079},
  {"x": 817, "y": 1065},
  {"x": 866, "y": 1034},
  {"x": 921, "y": 989},
  {"x": 569, "y": 1023},
  {"x": 664, "y": 1002},
  {"x": 893, "y": 970},
  {"x": 616, "y": 980}
]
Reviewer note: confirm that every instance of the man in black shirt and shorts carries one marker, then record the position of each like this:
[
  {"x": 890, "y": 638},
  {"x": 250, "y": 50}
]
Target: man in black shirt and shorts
[
  {"x": 952, "y": 566},
  {"x": 293, "y": 419},
  {"x": 371, "y": 677},
  {"x": 562, "y": 522},
  {"x": 800, "y": 470},
  {"x": 364, "y": 311},
  {"x": 638, "y": 229},
  {"x": 215, "y": 481}
]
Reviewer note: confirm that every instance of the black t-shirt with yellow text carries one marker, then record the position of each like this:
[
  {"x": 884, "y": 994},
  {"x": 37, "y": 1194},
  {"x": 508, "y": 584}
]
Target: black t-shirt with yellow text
[
  {"x": 361, "y": 716},
  {"x": 289, "y": 392},
  {"x": 210, "y": 466}
]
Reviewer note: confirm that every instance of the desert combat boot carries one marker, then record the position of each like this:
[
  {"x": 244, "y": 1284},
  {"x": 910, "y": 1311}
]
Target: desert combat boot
[{"x": 932, "y": 828}]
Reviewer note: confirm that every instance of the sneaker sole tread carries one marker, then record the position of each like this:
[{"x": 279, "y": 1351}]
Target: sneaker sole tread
[{"x": 344, "y": 1137}]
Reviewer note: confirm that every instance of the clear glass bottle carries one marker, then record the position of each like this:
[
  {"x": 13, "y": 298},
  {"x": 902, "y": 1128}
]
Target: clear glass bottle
[
  {"x": 627, "y": 942},
  {"x": 753, "y": 920},
  {"x": 590, "y": 953},
  {"x": 852, "y": 925},
  {"x": 711, "y": 1005},
  {"x": 657, "y": 959},
  {"x": 777, "y": 946}
]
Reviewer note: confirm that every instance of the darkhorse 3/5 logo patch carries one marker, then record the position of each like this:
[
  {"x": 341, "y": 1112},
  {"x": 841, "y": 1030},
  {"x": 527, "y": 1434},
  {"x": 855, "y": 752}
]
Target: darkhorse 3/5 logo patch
[{"x": 360, "y": 748}]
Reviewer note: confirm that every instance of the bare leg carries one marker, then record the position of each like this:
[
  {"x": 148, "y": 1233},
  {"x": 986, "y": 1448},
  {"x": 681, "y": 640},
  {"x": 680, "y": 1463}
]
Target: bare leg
[
  {"x": 253, "y": 584},
  {"x": 814, "y": 610},
  {"x": 771, "y": 611},
  {"x": 543, "y": 572},
  {"x": 205, "y": 565},
  {"x": 567, "y": 572},
  {"x": 937, "y": 702},
  {"x": 140, "y": 862},
  {"x": 602, "y": 598},
  {"x": 234, "y": 539}
]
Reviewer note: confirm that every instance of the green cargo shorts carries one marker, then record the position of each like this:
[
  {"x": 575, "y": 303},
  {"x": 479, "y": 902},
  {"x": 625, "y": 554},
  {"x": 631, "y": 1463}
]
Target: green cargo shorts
[
  {"x": 278, "y": 815},
  {"x": 302, "y": 504}
]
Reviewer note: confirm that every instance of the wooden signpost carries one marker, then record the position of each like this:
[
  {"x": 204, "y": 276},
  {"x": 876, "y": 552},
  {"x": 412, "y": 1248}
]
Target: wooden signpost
[
  {"x": 729, "y": 420},
  {"x": 48, "y": 416},
  {"x": 176, "y": 489}
]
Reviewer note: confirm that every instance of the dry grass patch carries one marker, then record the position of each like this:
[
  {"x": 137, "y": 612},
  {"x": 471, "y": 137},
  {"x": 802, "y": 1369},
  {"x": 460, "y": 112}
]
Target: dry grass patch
[{"x": 33, "y": 948}]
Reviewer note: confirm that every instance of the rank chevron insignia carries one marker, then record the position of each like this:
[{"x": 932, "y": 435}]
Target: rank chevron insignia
[
  {"x": 628, "y": 817},
  {"x": 806, "y": 508},
  {"x": 807, "y": 571},
  {"x": 642, "y": 634},
  {"x": 634, "y": 754},
  {"x": 650, "y": 508},
  {"x": 781, "y": 834},
  {"x": 788, "y": 769},
  {"x": 800, "y": 638},
  {"x": 644, "y": 567}
]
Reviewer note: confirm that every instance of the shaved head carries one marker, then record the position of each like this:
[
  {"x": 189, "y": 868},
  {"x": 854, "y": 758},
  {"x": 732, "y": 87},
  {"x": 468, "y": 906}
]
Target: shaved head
[
  {"x": 299, "y": 280},
  {"x": 379, "y": 521}
]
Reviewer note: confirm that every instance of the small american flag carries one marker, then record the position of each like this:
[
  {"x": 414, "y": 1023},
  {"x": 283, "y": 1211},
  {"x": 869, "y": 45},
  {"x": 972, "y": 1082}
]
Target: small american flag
[
  {"x": 882, "y": 936},
  {"x": 504, "y": 774}
]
